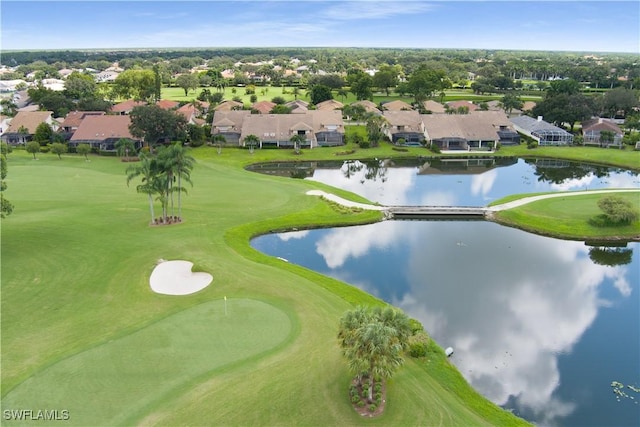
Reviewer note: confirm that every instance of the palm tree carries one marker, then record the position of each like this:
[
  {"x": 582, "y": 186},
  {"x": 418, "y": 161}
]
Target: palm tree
[
  {"x": 148, "y": 169},
  {"x": 297, "y": 142},
  {"x": 178, "y": 165},
  {"x": 124, "y": 146},
  {"x": 373, "y": 340},
  {"x": 219, "y": 140},
  {"x": 252, "y": 140}
]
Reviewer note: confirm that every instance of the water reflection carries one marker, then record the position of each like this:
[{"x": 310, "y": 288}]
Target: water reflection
[
  {"x": 465, "y": 182},
  {"x": 541, "y": 326},
  {"x": 511, "y": 304}
]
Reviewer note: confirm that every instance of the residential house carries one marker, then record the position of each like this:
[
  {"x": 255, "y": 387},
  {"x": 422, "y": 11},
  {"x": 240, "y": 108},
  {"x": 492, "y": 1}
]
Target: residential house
[
  {"x": 298, "y": 106},
  {"x": 4, "y": 123},
  {"x": 434, "y": 107},
  {"x": 193, "y": 113},
  {"x": 482, "y": 130},
  {"x": 53, "y": 84},
  {"x": 396, "y": 105},
  {"x": 167, "y": 104},
  {"x": 404, "y": 127},
  {"x": 229, "y": 124},
  {"x": 11, "y": 85},
  {"x": 458, "y": 106},
  {"x": 369, "y": 106},
  {"x": 125, "y": 107},
  {"x": 106, "y": 76},
  {"x": 591, "y": 130},
  {"x": 28, "y": 121},
  {"x": 330, "y": 104},
  {"x": 541, "y": 131},
  {"x": 103, "y": 132},
  {"x": 229, "y": 105},
  {"x": 263, "y": 107},
  {"x": 319, "y": 128},
  {"x": 73, "y": 119}
]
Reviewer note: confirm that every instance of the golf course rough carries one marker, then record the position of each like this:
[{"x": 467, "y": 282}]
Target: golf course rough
[{"x": 112, "y": 384}]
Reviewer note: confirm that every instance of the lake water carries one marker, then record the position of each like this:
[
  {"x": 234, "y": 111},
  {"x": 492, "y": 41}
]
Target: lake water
[{"x": 540, "y": 326}]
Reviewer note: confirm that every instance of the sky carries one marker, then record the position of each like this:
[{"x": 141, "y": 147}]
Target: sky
[{"x": 580, "y": 26}]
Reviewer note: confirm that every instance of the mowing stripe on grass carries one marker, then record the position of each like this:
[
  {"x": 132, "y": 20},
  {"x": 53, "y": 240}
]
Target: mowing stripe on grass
[{"x": 109, "y": 383}]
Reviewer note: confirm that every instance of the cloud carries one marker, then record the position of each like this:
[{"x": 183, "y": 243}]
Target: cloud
[{"x": 365, "y": 10}]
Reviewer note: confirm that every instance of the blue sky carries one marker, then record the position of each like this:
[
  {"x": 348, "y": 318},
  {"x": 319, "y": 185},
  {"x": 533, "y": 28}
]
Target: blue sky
[{"x": 594, "y": 26}]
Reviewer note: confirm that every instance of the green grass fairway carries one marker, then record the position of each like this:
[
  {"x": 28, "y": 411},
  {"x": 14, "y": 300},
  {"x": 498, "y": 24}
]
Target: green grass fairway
[
  {"x": 570, "y": 217},
  {"x": 116, "y": 381},
  {"x": 82, "y": 330}
]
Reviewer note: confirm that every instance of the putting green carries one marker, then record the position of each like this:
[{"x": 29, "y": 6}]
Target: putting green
[{"x": 113, "y": 383}]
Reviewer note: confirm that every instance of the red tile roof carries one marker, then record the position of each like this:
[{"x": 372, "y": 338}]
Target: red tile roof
[
  {"x": 74, "y": 118},
  {"x": 167, "y": 104},
  {"x": 99, "y": 128},
  {"x": 126, "y": 106},
  {"x": 264, "y": 107}
]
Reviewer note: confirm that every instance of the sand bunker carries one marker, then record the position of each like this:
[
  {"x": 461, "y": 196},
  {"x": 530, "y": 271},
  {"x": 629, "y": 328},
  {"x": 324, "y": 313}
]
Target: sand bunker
[{"x": 176, "y": 278}]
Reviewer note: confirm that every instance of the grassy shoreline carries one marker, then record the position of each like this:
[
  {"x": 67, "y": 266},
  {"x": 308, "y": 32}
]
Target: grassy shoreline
[{"x": 77, "y": 253}]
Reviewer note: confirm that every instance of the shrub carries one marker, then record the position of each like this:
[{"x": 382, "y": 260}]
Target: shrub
[
  {"x": 373, "y": 407},
  {"x": 355, "y": 399},
  {"x": 5, "y": 148},
  {"x": 364, "y": 144},
  {"x": 361, "y": 403},
  {"x": 531, "y": 145},
  {"x": 415, "y": 326},
  {"x": 435, "y": 148},
  {"x": 618, "y": 210},
  {"x": 418, "y": 345}
]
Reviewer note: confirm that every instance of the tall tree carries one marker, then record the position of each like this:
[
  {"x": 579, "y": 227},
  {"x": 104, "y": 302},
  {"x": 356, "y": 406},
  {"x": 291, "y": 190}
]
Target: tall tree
[
  {"x": 6, "y": 207},
  {"x": 137, "y": 84},
  {"x": 424, "y": 82},
  {"x": 148, "y": 169},
  {"x": 320, "y": 93},
  {"x": 386, "y": 78},
  {"x": 44, "y": 133},
  {"x": 176, "y": 164},
  {"x": 511, "y": 101},
  {"x": 78, "y": 86},
  {"x": 187, "y": 82},
  {"x": 154, "y": 124},
  {"x": 360, "y": 85},
  {"x": 620, "y": 101}
]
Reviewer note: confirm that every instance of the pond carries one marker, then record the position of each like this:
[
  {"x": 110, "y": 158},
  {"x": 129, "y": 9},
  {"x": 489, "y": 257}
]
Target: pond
[{"x": 540, "y": 326}]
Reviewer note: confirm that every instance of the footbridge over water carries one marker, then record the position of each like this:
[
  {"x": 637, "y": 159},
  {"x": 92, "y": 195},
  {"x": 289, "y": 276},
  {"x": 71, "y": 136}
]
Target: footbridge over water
[{"x": 436, "y": 212}]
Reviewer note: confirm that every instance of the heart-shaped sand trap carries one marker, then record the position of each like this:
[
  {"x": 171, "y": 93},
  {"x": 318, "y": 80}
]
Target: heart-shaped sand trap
[{"x": 176, "y": 278}]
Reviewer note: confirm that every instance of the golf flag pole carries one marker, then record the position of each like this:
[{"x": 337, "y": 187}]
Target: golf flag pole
[{"x": 225, "y": 305}]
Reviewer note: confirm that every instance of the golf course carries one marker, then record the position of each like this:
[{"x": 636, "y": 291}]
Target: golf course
[{"x": 84, "y": 334}]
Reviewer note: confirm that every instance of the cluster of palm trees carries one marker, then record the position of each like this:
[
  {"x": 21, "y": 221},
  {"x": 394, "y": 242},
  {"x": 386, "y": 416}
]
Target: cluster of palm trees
[
  {"x": 373, "y": 339},
  {"x": 162, "y": 176}
]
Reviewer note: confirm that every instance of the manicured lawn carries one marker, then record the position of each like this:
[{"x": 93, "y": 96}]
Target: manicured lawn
[
  {"x": 76, "y": 305},
  {"x": 570, "y": 217},
  {"x": 267, "y": 93},
  {"x": 134, "y": 372}
]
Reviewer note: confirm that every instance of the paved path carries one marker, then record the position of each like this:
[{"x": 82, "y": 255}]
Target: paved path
[
  {"x": 526, "y": 200},
  {"x": 495, "y": 208}
]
